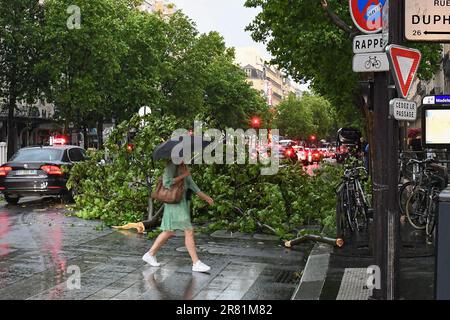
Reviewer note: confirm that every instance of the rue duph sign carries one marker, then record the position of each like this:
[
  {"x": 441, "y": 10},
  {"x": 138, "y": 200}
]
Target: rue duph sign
[{"x": 427, "y": 20}]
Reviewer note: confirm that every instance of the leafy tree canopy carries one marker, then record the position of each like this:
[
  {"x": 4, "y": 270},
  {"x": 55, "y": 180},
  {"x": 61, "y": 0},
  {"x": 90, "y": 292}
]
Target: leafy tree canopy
[
  {"x": 309, "y": 115},
  {"x": 121, "y": 59}
]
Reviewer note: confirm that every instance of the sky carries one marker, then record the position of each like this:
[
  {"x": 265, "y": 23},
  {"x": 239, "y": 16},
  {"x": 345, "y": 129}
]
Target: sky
[{"x": 228, "y": 17}]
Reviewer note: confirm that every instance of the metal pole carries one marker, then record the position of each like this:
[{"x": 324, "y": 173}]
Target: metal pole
[
  {"x": 380, "y": 177},
  {"x": 385, "y": 178},
  {"x": 396, "y": 23}
]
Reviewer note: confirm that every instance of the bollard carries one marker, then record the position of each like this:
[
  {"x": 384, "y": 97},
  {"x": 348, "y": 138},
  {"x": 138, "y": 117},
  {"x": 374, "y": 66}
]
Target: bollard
[{"x": 442, "y": 276}]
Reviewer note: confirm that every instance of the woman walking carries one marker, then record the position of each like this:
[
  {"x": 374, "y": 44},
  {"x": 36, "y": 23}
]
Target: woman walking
[{"x": 177, "y": 216}]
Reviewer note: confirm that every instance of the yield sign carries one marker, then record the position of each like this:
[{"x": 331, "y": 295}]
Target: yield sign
[{"x": 405, "y": 63}]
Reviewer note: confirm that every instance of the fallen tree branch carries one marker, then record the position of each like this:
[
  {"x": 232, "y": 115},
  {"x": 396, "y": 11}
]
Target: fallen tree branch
[
  {"x": 143, "y": 225},
  {"x": 311, "y": 237}
]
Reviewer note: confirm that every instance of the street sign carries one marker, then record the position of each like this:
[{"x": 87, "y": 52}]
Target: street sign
[
  {"x": 427, "y": 20},
  {"x": 370, "y": 62},
  {"x": 368, "y": 43},
  {"x": 429, "y": 100},
  {"x": 404, "y": 63},
  {"x": 366, "y": 14},
  {"x": 403, "y": 110}
]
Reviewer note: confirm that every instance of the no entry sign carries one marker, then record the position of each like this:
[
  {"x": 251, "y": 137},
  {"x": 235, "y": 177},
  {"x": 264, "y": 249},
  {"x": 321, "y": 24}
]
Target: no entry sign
[
  {"x": 367, "y": 14},
  {"x": 427, "y": 20}
]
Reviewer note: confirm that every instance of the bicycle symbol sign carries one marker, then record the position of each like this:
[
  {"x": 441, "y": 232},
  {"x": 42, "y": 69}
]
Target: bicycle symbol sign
[
  {"x": 370, "y": 62},
  {"x": 373, "y": 62}
]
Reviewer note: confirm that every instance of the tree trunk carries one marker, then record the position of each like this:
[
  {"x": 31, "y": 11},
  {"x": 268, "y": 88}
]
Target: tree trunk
[
  {"x": 11, "y": 124},
  {"x": 100, "y": 134},
  {"x": 85, "y": 137}
]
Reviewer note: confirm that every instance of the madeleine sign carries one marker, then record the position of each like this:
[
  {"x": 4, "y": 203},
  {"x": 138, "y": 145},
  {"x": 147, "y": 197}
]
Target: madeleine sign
[{"x": 427, "y": 20}]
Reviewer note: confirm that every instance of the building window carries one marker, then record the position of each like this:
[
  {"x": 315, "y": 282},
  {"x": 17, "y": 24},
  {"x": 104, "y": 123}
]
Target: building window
[{"x": 248, "y": 72}]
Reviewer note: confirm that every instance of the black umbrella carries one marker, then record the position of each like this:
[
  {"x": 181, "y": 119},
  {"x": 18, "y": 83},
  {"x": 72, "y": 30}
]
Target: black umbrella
[{"x": 188, "y": 142}]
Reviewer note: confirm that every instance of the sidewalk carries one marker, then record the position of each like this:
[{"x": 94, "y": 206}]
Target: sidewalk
[
  {"x": 341, "y": 274},
  {"x": 38, "y": 243}
]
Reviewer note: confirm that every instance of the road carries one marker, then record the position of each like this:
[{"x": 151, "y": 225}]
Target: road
[{"x": 41, "y": 250}]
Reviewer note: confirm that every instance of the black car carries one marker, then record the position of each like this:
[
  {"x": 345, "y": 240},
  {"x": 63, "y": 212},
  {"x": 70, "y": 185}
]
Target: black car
[{"x": 37, "y": 171}]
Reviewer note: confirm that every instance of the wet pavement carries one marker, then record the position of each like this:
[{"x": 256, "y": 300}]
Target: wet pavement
[
  {"x": 416, "y": 267},
  {"x": 45, "y": 254}
]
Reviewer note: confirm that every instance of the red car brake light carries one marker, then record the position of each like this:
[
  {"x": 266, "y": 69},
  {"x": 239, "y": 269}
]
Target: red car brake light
[
  {"x": 4, "y": 171},
  {"x": 289, "y": 152},
  {"x": 53, "y": 170}
]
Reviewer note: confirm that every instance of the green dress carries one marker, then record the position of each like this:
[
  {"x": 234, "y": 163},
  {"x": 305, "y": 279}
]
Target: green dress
[{"x": 177, "y": 216}]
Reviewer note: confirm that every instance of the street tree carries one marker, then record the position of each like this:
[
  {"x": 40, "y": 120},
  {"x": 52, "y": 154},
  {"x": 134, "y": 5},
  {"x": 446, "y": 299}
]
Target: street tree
[
  {"x": 20, "y": 43},
  {"x": 308, "y": 115},
  {"x": 82, "y": 62}
]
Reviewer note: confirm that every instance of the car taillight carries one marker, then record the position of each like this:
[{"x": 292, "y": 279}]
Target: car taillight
[
  {"x": 54, "y": 170},
  {"x": 4, "y": 171}
]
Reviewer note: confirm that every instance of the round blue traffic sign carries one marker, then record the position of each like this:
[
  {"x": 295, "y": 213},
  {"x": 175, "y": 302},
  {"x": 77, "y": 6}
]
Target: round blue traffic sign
[{"x": 367, "y": 14}]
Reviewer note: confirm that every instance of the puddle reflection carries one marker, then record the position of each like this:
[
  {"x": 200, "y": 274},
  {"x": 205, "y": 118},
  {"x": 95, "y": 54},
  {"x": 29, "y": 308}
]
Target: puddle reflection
[
  {"x": 190, "y": 290},
  {"x": 53, "y": 245},
  {"x": 4, "y": 230}
]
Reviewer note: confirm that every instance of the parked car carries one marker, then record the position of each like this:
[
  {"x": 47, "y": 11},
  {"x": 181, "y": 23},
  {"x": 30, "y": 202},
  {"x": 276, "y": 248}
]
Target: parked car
[{"x": 37, "y": 171}]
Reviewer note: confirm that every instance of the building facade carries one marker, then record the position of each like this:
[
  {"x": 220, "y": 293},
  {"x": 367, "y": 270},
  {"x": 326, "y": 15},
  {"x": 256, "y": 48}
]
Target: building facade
[
  {"x": 34, "y": 124},
  {"x": 273, "y": 84},
  {"x": 166, "y": 8}
]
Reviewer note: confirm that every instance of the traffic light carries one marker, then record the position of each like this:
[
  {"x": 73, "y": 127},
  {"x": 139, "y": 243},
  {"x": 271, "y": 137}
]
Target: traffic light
[
  {"x": 130, "y": 140},
  {"x": 130, "y": 147},
  {"x": 256, "y": 122},
  {"x": 312, "y": 138}
]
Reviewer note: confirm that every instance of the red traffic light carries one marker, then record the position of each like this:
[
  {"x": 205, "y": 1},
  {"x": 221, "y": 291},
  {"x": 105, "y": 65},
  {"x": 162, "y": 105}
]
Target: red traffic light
[
  {"x": 130, "y": 147},
  {"x": 313, "y": 138},
  {"x": 256, "y": 122}
]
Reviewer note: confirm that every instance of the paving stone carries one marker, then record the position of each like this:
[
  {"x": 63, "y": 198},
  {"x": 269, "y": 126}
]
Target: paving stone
[
  {"x": 230, "y": 235},
  {"x": 41, "y": 242}
]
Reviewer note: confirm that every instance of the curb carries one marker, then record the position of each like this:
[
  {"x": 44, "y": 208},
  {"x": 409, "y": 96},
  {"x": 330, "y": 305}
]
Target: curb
[{"x": 314, "y": 274}]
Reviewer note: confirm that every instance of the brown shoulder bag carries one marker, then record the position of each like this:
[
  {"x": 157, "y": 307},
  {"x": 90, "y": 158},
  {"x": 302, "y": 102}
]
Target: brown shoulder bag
[{"x": 171, "y": 195}]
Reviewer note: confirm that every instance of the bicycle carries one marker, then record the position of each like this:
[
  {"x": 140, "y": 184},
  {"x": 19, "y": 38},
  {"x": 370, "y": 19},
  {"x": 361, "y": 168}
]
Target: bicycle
[
  {"x": 352, "y": 205},
  {"x": 415, "y": 174},
  {"x": 421, "y": 206}
]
